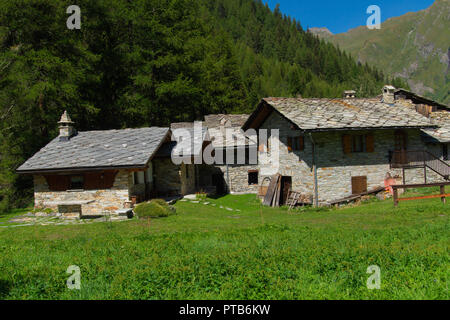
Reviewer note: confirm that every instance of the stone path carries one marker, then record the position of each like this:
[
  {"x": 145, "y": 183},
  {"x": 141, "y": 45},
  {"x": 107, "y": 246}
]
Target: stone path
[{"x": 206, "y": 203}]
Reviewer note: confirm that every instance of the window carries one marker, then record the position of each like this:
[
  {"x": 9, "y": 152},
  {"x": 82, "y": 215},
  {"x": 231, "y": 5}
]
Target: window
[
  {"x": 76, "y": 182},
  {"x": 295, "y": 144},
  {"x": 139, "y": 177},
  {"x": 358, "y": 143},
  {"x": 445, "y": 152},
  {"x": 253, "y": 177}
]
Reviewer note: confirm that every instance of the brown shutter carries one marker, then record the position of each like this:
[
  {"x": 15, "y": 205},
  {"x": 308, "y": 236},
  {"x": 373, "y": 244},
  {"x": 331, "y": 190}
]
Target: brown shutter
[
  {"x": 347, "y": 143},
  {"x": 92, "y": 181},
  {"x": 99, "y": 180},
  {"x": 370, "y": 143},
  {"x": 301, "y": 143},
  {"x": 289, "y": 144},
  {"x": 58, "y": 182},
  {"x": 108, "y": 179}
]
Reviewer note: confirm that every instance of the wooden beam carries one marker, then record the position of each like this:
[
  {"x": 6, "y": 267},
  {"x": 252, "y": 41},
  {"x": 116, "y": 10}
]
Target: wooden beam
[{"x": 409, "y": 186}]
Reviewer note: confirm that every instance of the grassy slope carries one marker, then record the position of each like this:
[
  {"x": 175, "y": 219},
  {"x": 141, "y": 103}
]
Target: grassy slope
[
  {"x": 402, "y": 43},
  {"x": 209, "y": 253}
]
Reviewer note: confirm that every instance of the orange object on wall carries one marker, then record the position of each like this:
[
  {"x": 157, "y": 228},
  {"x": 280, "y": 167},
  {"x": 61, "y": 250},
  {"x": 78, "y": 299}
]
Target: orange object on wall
[{"x": 388, "y": 183}]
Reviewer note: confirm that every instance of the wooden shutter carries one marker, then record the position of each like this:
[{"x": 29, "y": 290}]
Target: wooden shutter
[
  {"x": 92, "y": 181},
  {"x": 58, "y": 182},
  {"x": 289, "y": 144},
  {"x": 108, "y": 179},
  {"x": 347, "y": 143},
  {"x": 359, "y": 185},
  {"x": 99, "y": 180},
  {"x": 301, "y": 143},
  {"x": 370, "y": 143}
]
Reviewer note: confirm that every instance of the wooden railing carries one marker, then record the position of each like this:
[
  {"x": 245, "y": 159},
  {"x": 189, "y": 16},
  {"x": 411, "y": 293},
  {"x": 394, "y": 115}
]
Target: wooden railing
[{"x": 420, "y": 159}]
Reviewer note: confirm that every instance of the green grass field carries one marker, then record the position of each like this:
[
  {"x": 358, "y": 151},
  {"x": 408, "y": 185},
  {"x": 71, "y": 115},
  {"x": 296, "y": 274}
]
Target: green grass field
[{"x": 205, "y": 252}]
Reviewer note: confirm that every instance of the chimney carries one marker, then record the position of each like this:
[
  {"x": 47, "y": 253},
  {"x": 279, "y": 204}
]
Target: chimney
[
  {"x": 389, "y": 94},
  {"x": 349, "y": 94},
  {"x": 66, "y": 129}
]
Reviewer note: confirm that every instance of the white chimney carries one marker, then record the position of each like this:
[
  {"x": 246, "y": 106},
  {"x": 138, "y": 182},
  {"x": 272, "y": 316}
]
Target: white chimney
[
  {"x": 349, "y": 94},
  {"x": 389, "y": 94},
  {"x": 66, "y": 129}
]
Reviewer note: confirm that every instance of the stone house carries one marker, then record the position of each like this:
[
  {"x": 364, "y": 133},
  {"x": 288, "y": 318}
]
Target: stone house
[
  {"x": 92, "y": 173},
  {"x": 333, "y": 148},
  {"x": 327, "y": 149}
]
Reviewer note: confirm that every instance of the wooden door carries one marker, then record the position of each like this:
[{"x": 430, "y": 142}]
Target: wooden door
[
  {"x": 401, "y": 141},
  {"x": 286, "y": 184},
  {"x": 359, "y": 185}
]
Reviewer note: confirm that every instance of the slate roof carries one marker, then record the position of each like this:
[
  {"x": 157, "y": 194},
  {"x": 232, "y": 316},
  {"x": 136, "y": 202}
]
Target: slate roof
[
  {"x": 186, "y": 141},
  {"x": 442, "y": 133},
  {"x": 130, "y": 148},
  {"x": 340, "y": 114},
  {"x": 214, "y": 120},
  {"x": 238, "y": 139}
]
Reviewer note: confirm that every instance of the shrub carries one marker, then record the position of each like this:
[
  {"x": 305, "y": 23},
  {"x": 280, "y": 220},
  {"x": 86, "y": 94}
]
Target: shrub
[{"x": 155, "y": 208}]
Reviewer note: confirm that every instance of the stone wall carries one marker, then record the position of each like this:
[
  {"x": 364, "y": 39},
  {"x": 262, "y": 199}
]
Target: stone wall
[
  {"x": 295, "y": 164},
  {"x": 334, "y": 168},
  {"x": 187, "y": 179},
  {"x": 236, "y": 179},
  {"x": 102, "y": 200}
]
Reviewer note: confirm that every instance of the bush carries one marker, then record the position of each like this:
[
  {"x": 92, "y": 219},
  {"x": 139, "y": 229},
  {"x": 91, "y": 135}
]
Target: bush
[{"x": 156, "y": 208}]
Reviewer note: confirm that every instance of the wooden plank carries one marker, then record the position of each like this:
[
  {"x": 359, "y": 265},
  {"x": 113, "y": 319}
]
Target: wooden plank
[
  {"x": 271, "y": 190},
  {"x": 425, "y": 197},
  {"x": 278, "y": 194},
  {"x": 410, "y": 186},
  {"x": 263, "y": 191}
]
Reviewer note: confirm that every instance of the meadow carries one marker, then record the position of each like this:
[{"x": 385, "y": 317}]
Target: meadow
[{"x": 233, "y": 248}]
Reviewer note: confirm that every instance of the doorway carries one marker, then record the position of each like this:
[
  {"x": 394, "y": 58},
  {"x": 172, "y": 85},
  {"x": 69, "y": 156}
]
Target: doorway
[
  {"x": 219, "y": 182},
  {"x": 401, "y": 144},
  {"x": 286, "y": 185}
]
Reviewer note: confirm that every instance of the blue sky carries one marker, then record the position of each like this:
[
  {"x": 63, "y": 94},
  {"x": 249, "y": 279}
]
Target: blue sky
[{"x": 341, "y": 15}]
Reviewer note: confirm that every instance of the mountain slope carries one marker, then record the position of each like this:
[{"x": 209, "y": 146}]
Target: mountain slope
[{"x": 415, "y": 46}]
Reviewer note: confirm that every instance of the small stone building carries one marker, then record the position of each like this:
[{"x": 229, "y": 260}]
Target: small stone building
[
  {"x": 333, "y": 148},
  {"x": 96, "y": 172}
]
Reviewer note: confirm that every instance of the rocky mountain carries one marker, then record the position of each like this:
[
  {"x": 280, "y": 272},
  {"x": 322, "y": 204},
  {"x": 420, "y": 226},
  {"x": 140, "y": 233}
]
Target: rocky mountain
[
  {"x": 415, "y": 46},
  {"x": 321, "y": 32}
]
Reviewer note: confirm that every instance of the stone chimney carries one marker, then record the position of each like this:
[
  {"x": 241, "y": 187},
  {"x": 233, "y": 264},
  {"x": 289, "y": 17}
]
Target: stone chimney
[
  {"x": 349, "y": 94},
  {"x": 389, "y": 94},
  {"x": 66, "y": 129}
]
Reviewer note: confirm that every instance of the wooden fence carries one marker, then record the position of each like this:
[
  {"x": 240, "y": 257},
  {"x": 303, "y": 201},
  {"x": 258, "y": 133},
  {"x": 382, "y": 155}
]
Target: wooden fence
[{"x": 441, "y": 195}]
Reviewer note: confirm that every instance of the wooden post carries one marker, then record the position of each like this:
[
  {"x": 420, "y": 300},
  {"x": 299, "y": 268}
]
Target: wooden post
[
  {"x": 404, "y": 177},
  {"x": 443, "y": 199},
  {"x": 395, "y": 196}
]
